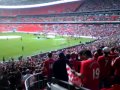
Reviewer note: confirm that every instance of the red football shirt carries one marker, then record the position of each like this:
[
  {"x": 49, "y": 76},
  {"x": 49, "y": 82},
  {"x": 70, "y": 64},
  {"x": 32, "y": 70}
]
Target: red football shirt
[
  {"x": 90, "y": 70},
  {"x": 75, "y": 65},
  {"x": 116, "y": 66},
  {"x": 105, "y": 66},
  {"x": 114, "y": 55},
  {"x": 49, "y": 66}
]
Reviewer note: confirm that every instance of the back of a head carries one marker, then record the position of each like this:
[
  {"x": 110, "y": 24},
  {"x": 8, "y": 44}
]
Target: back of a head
[
  {"x": 81, "y": 52},
  {"x": 81, "y": 56},
  {"x": 68, "y": 56},
  {"x": 50, "y": 55},
  {"x": 87, "y": 54},
  {"x": 113, "y": 49},
  {"x": 61, "y": 55},
  {"x": 99, "y": 51}
]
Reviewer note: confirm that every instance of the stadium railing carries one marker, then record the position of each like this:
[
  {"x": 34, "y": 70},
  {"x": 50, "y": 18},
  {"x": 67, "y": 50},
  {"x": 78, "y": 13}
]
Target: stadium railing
[
  {"x": 35, "y": 82},
  {"x": 56, "y": 84}
]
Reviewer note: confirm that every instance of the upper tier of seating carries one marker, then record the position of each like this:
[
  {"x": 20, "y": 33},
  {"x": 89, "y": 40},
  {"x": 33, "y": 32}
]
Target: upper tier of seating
[
  {"x": 73, "y": 17},
  {"x": 94, "y": 5}
]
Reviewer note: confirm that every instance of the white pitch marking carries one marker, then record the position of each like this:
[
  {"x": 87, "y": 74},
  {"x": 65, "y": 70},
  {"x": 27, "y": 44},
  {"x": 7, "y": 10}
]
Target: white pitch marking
[{"x": 9, "y": 37}]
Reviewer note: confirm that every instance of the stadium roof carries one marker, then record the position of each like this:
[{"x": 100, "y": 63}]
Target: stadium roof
[
  {"x": 14, "y": 4},
  {"x": 26, "y": 2}
]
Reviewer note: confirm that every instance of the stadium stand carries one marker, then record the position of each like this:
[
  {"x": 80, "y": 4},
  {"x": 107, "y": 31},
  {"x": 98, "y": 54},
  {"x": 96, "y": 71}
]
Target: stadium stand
[
  {"x": 35, "y": 64},
  {"x": 66, "y": 17},
  {"x": 99, "y": 5},
  {"x": 38, "y": 9},
  {"x": 62, "y": 29},
  {"x": 33, "y": 71}
]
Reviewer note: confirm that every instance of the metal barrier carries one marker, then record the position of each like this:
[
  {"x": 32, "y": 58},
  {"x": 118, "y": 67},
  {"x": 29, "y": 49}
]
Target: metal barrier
[
  {"x": 62, "y": 85},
  {"x": 35, "y": 82},
  {"x": 39, "y": 82}
]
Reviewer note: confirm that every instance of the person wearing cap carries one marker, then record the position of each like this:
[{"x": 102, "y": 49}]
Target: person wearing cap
[{"x": 105, "y": 68}]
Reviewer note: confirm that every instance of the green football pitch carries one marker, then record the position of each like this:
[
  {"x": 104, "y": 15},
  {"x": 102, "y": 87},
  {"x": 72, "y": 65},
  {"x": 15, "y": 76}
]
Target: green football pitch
[{"x": 29, "y": 44}]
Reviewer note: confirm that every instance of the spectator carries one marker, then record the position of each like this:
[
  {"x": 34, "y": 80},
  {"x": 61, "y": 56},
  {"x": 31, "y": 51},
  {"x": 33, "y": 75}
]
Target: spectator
[
  {"x": 98, "y": 53},
  {"x": 59, "y": 68},
  {"x": 105, "y": 68},
  {"x": 90, "y": 70},
  {"x": 4, "y": 83},
  {"x": 116, "y": 67},
  {"x": 48, "y": 66}
]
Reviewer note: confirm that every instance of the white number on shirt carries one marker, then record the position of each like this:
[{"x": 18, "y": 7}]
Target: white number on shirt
[{"x": 96, "y": 73}]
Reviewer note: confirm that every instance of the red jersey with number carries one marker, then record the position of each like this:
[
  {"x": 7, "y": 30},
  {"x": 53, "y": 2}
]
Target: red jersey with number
[
  {"x": 90, "y": 70},
  {"x": 105, "y": 66},
  {"x": 49, "y": 66}
]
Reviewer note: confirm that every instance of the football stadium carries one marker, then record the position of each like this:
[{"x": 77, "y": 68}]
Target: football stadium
[{"x": 59, "y": 45}]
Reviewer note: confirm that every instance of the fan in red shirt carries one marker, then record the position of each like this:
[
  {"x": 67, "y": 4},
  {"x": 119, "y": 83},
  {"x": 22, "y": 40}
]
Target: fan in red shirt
[
  {"x": 116, "y": 67},
  {"x": 90, "y": 70},
  {"x": 48, "y": 65},
  {"x": 74, "y": 62},
  {"x": 105, "y": 68},
  {"x": 98, "y": 53},
  {"x": 113, "y": 53}
]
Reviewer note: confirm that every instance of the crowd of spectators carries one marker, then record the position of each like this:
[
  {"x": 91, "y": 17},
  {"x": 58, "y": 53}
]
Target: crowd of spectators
[
  {"x": 86, "y": 6},
  {"x": 85, "y": 30},
  {"x": 93, "y": 30},
  {"x": 95, "y": 5},
  {"x": 60, "y": 18},
  {"x": 13, "y": 73}
]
